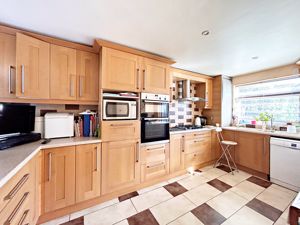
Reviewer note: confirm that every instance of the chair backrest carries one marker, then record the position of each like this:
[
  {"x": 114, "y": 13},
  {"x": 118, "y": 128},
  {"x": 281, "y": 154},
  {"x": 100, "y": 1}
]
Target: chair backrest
[{"x": 219, "y": 134}]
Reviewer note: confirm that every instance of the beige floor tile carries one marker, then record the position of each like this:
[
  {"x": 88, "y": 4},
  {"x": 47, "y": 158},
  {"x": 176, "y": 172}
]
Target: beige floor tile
[
  {"x": 247, "y": 190},
  {"x": 175, "y": 179},
  {"x": 153, "y": 187},
  {"x": 207, "y": 168},
  {"x": 277, "y": 196},
  {"x": 247, "y": 216},
  {"x": 193, "y": 181},
  {"x": 58, "y": 221},
  {"x": 111, "y": 214},
  {"x": 150, "y": 199},
  {"x": 235, "y": 179},
  {"x": 187, "y": 219},
  {"x": 93, "y": 209},
  {"x": 281, "y": 221},
  {"x": 227, "y": 203},
  {"x": 202, "y": 194},
  {"x": 213, "y": 173},
  {"x": 123, "y": 222},
  {"x": 170, "y": 210}
]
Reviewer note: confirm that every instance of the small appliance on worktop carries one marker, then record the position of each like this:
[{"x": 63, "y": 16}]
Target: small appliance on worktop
[{"x": 155, "y": 117}]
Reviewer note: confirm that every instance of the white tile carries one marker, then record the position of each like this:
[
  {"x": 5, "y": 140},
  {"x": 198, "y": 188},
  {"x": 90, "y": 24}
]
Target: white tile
[
  {"x": 227, "y": 203},
  {"x": 175, "y": 179},
  {"x": 247, "y": 216},
  {"x": 207, "y": 168},
  {"x": 111, "y": 214},
  {"x": 277, "y": 196},
  {"x": 187, "y": 219},
  {"x": 170, "y": 210},
  {"x": 202, "y": 194},
  {"x": 213, "y": 173},
  {"x": 150, "y": 199},
  {"x": 235, "y": 178},
  {"x": 58, "y": 221},
  {"x": 247, "y": 190},
  {"x": 153, "y": 187},
  {"x": 93, "y": 209},
  {"x": 123, "y": 222},
  {"x": 193, "y": 181}
]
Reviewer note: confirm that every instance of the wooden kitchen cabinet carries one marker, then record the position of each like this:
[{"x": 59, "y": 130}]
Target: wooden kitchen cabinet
[
  {"x": 88, "y": 76},
  {"x": 120, "y": 165},
  {"x": 88, "y": 171},
  {"x": 59, "y": 175},
  {"x": 154, "y": 161},
  {"x": 32, "y": 68},
  {"x": 120, "y": 71},
  {"x": 155, "y": 76},
  {"x": 205, "y": 90},
  {"x": 176, "y": 152},
  {"x": 253, "y": 151},
  {"x": 63, "y": 73},
  {"x": 7, "y": 66}
]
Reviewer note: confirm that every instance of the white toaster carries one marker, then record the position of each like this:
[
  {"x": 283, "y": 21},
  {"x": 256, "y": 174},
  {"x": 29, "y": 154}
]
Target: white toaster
[{"x": 59, "y": 125}]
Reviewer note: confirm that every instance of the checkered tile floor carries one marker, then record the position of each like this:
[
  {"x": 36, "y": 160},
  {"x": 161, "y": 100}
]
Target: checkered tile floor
[{"x": 211, "y": 196}]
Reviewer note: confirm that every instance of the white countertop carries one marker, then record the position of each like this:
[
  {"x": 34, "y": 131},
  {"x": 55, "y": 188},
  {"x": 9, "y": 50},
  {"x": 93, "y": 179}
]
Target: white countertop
[
  {"x": 13, "y": 159},
  {"x": 207, "y": 128},
  {"x": 283, "y": 134}
]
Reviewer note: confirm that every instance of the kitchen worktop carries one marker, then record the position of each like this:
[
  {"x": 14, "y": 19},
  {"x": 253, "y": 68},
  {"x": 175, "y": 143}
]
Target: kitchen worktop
[
  {"x": 206, "y": 128},
  {"x": 282, "y": 134},
  {"x": 13, "y": 159}
]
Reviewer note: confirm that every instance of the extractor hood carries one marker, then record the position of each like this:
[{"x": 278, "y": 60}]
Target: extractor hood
[{"x": 185, "y": 95}]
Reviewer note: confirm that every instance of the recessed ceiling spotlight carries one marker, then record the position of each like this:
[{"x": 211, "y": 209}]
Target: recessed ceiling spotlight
[
  {"x": 254, "y": 57},
  {"x": 205, "y": 32}
]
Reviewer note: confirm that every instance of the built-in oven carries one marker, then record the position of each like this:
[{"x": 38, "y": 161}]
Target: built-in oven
[
  {"x": 119, "y": 109},
  {"x": 154, "y": 117}
]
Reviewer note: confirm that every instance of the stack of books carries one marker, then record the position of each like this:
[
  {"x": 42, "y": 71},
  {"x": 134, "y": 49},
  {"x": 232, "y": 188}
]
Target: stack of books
[{"x": 86, "y": 125}]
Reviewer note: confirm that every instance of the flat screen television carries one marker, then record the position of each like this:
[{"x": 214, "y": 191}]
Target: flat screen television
[{"x": 16, "y": 118}]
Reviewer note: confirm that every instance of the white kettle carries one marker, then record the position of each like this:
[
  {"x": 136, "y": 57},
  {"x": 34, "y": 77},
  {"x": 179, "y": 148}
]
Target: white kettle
[{"x": 197, "y": 121}]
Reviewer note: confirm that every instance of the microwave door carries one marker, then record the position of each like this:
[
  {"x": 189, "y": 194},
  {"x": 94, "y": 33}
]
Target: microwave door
[{"x": 116, "y": 110}]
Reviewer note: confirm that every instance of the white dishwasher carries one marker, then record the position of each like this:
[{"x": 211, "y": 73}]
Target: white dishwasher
[{"x": 285, "y": 162}]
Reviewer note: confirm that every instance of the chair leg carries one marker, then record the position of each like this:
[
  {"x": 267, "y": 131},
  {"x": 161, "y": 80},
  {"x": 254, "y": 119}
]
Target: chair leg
[
  {"x": 218, "y": 161},
  {"x": 228, "y": 163},
  {"x": 232, "y": 160}
]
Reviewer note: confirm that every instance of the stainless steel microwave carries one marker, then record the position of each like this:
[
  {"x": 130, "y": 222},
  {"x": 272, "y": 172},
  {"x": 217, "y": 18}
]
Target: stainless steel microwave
[{"x": 119, "y": 109}]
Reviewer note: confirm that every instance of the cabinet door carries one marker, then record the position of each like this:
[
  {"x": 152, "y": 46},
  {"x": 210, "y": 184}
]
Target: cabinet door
[
  {"x": 88, "y": 174},
  {"x": 62, "y": 73},
  {"x": 156, "y": 76},
  {"x": 120, "y": 165},
  {"x": 120, "y": 70},
  {"x": 7, "y": 66},
  {"x": 253, "y": 151},
  {"x": 176, "y": 152},
  {"x": 88, "y": 76},
  {"x": 208, "y": 94},
  {"x": 59, "y": 177},
  {"x": 32, "y": 57}
]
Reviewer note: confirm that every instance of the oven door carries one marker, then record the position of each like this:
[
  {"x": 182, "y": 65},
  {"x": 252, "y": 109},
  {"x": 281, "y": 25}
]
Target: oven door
[
  {"x": 118, "y": 110},
  {"x": 154, "y": 109},
  {"x": 154, "y": 129}
]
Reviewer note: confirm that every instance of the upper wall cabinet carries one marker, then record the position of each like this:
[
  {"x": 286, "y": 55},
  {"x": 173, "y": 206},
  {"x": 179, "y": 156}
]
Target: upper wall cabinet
[
  {"x": 7, "y": 66},
  {"x": 32, "y": 57},
  {"x": 124, "y": 71},
  {"x": 120, "y": 70},
  {"x": 63, "y": 73},
  {"x": 156, "y": 76}
]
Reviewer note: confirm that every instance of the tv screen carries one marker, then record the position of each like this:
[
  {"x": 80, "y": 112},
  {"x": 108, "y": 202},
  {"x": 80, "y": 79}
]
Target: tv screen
[{"x": 16, "y": 118}]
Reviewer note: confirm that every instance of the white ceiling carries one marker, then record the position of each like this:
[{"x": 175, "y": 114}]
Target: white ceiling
[{"x": 239, "y": 29}]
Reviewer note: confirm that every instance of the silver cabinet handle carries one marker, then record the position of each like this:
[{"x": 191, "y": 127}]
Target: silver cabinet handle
[
  {"x": 138, "y": 78},
  {"x": 137, "y": 153},
  {"x": 156, "y": 148},
  {"x": 96, "y": 158},
  {"x": 80, "y": 86},
  {"x": 18, "y": 186},
  {"x": 25, "y": 214},
  {"x": 182, "y": 144},
  {"x": 16, "y": 210},
  {"x": 197, "y": 141},
  {"x": 22, "y": 79},
  {"x": 121, "y": 125},
  {"x": 155, "y": 165},
  {"x": 10, "y": 90},
  {"x": 49, "y": 166},
  {"x": 144, "y": 79}
]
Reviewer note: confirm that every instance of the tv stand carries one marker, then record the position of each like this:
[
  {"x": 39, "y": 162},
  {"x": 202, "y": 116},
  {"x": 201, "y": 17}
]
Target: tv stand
[{"x": 19, "y": 139}]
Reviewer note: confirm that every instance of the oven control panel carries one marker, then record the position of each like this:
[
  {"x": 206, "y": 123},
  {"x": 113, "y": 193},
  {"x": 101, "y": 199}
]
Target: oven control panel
[{"x": 155, "y": 97}]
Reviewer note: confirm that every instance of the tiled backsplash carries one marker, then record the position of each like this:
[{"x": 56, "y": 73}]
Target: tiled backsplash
[{"x": 182, "y": 113}]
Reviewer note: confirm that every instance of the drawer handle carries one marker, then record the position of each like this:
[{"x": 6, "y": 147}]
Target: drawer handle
[
  {"x": 199, "y": 134},
  {"x": 156, "y": 148},
  {"x": 156, "y": 165},
  {"x": 121, "y": 125},
  {"x": 23, "y": 217},
  {"x": 18, "y": 186},
  {"x": 16, "y": 210},
  {"x": 197, "y": 141}
]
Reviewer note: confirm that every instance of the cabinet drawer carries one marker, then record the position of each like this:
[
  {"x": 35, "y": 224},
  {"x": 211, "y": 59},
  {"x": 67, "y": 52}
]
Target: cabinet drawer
[
  {"x": 153, "y": 153},
  {"x": 120, "y": 130},
  {"x": 192, "y": 159},
  {"x": 200, "y": 134},
  {"x": 154, "y": 170},
  {"x": 14, "y": 186},
  {"x": 198, "y": 144}
]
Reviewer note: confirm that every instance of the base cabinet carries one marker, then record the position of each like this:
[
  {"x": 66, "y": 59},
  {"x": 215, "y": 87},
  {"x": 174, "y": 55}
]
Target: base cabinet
[
  {"x": 120, "y": 165},
  {"x": 176, "y": 152}
]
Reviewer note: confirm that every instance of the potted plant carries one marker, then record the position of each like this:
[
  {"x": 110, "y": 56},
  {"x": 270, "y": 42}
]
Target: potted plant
[{"x": 264, "y": 117}]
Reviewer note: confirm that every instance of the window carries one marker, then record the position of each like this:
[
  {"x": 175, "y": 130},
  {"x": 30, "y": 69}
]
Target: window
[{"x": 281, "y": 98}]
